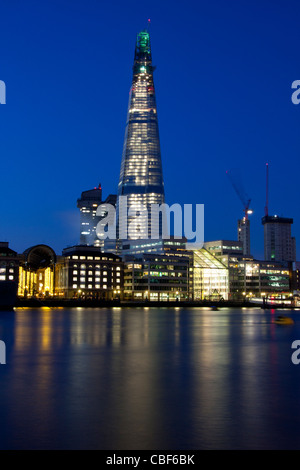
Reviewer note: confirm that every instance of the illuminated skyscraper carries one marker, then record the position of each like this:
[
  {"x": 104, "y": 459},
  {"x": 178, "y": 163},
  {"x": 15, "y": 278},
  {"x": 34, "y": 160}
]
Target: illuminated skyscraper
[{"x": 141, "y": 178}]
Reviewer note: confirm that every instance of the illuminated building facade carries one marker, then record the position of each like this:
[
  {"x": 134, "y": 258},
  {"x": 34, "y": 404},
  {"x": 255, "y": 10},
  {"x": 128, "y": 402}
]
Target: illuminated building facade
[
  {"x": 87, "y": 273},
  {"x": 37, "y": 272},
  {"x": 210, "y": 277},
  {"x": 141, "y": 177},
  {"x": 253, "y": 278},
  {"x": 248, "y": 277},
  {"x": 160, "y": 246},
  {"x": 224, "y": 247},
  {"x": 156, "y": 277}
]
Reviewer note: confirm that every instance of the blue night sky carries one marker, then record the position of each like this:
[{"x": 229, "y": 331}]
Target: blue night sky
[{"x": 223, "y": 88}]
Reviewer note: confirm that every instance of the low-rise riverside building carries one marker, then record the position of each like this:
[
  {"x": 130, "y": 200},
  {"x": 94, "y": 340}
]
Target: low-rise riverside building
[
  {"x": 156, "y": 277},
  {"x": 85, "y": 272},
  {"x": 37, "y": 272},
  {"x": 248, "y": 277},
  {"x": 210, "y": 277}
]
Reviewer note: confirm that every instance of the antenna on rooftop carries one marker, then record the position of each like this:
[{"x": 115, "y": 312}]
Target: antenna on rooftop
[{"x": 267, "y": 191}]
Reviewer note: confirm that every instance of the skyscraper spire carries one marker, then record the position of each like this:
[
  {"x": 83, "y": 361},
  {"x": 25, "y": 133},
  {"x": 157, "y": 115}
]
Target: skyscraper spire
[{"x": 141, "y": 178}]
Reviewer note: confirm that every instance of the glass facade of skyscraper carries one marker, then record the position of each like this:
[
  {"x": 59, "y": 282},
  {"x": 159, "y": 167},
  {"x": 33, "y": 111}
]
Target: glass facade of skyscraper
[{"x": 141, "y": 178}]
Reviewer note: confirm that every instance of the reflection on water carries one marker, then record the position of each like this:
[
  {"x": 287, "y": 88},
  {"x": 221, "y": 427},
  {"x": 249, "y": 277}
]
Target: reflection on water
[{"x": 148, "y": 378}]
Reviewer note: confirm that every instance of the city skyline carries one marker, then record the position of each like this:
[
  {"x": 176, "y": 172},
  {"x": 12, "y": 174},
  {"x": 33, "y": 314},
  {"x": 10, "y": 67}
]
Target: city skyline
[{"x": 63, "y": 123}]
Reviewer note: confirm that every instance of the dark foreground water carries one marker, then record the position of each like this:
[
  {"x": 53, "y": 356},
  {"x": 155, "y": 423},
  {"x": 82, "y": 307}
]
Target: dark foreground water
[{"x": 148, "y": 378}]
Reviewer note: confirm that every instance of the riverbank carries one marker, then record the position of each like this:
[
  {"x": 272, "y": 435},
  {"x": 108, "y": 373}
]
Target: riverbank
[{"x": 88, "y": 303}]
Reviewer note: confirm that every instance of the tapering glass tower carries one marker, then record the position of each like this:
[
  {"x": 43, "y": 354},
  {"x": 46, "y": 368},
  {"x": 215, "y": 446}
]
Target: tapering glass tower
[{"x": 141, "y": 178}]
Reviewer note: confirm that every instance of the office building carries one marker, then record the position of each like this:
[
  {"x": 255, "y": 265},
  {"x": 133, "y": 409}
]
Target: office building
[
  {"x": 248, "y": 277},
  {"x": 224, "y": 247},
  {"x": 159, "y": 246},
  {"x": 88, "y": 204},
  {"x": 90, "y": 218},
  {"x": 156, "y": 277},
  {"x": 210, "y": 277}
]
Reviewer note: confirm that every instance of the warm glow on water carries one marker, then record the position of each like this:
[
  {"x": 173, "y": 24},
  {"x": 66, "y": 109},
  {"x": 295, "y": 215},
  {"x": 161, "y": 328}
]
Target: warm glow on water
[{"x": 149, "y": 378}]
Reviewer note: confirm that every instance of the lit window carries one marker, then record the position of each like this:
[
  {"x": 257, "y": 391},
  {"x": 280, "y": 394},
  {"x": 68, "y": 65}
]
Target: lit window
[
  {"x": 104, "y": 287},
  {"x": 75, "y": 272},
  {"x": 118, "y": 280},
  {"x": 74, "y": 279},
  {"x": 97, "y": 279},
  {"x": 90, "y": 286},
  {"x": 97, "y": 286},
  {"x": 2, "y": 278},
  {"x": 82, "y": 273},
  {"x": 89, "y": 257},
  {"x": 104, "y": 273},
  {"x": 11, "y": 270},
  {"x": 104, "y": 279},
  {"x": 10, "y": 278},
  {"x": 74, "y": 286},
  {"x": 90, "y": 273},
  {"x": 82, "y": 286},
  {"x": 82, "y": 279},
  {"x": 97, "y": 273},
  {"x": 74, "y": 257},
  {"x": 90, "y": 279},
  {"x": 82, "y": 257}
]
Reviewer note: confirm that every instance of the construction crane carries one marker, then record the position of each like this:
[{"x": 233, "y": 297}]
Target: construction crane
[
  {"x": 244, "y": 223},
  {"x": 243, "y": 196}
]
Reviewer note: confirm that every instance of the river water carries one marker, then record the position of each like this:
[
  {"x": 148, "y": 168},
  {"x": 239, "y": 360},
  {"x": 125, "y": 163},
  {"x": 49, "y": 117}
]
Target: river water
[{"x": 149, "y": 378}]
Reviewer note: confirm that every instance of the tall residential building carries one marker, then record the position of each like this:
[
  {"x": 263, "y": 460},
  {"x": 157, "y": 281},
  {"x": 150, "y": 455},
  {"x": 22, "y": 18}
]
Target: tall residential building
[
  {"x": 89, "y": 220},
  {"x": 244, "y": 234},
  {"x": 88, "y": 204},
  {"x": 141, "y": 177},
  {"x": 279, "y": 245}
]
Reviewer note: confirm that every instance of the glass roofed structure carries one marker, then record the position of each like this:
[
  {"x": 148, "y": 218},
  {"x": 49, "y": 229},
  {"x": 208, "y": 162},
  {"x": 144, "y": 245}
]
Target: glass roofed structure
[
  {"x": 141, "y": 178},
  {"x": 210, "y": 279}
]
